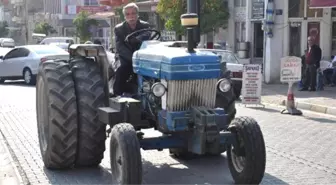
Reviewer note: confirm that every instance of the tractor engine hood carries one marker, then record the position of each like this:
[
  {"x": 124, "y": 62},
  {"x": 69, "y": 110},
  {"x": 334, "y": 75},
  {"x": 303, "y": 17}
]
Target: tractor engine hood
[{"x": 170, "y": 63}]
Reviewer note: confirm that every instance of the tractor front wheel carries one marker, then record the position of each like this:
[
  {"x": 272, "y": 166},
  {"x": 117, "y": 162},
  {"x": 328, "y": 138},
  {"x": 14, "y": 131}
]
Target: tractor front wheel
[
  {"x": 56, "y": 111},
  {"x": 125, "y": 155},
  {"x": 247, "y": 159}
]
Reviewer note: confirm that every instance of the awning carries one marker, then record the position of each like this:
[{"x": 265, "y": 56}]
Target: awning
[
  {"x": 322, "y": 4},
  {"x": 69, "y": 23}
]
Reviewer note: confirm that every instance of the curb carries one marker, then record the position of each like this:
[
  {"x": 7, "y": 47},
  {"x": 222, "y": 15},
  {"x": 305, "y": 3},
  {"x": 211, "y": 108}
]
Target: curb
[
  {"x": 313, "y": 107},
  {"x": 13, "y": 179}
]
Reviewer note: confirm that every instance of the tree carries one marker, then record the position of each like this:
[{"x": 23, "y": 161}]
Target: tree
[
  {"x": 83, "y": 24},
  {"x": 214, "y": 14},
  {"x": 44, "y": 28},
  {"x": 3, "y": 29}
]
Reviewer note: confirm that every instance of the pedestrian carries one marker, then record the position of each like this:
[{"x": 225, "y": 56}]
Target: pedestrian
[
  {"x": 312, "y": 62},
  {"x": 330, "y": 73}
]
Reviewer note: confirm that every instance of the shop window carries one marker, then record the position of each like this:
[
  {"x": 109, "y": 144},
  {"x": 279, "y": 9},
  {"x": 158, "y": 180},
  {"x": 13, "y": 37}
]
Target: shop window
[
  {"x": 333, "y": 38},
  {"x": 240, "y": 3},
  {"x": 240, "y": 30},
  {"x": 296, "y": 8},
  {"x": 333, "y": 12},
  {"x": 314, "y": 12}
]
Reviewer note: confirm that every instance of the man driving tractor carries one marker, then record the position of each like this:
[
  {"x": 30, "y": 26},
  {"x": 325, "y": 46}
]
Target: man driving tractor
[{"x": 125, "y": 49}]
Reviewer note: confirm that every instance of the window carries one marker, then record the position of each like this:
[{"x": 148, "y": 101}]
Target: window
[
  {"x": 333, "y": 38},
  {"x": 333, "y": 12},
  {"x": 240, "y": 3},
  {"x": 300, "y": 8},
  {"x": 48, "y": 50},
  {"x": 228, "y": 57},
  {"x": 91, "y": 3},
  {"x": 16, "y": 53},
  {"x": 240, "y": 31},
  {"x": 296, "y": 8},
  {"x": 314, "y": 12}
]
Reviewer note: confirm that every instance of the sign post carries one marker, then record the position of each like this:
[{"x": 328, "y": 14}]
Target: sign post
[
  {"x": 290, "y": 73},
  {"x": 251, "y": 87}
]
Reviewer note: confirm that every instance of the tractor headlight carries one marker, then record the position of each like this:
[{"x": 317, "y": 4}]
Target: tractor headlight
[
  {"x": 158, "y": 89},
  {"x": 224, "y": 85}
]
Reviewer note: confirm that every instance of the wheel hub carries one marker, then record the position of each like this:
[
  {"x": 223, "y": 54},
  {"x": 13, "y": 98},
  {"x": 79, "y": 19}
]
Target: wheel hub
[
  {"x": 27, "y": 76},
  {"x": 237, "y": 161},
  {"x": 238, "y": 154}
]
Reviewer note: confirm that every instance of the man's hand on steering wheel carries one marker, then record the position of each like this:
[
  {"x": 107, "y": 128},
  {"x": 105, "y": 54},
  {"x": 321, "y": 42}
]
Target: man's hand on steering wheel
[{"x": 142, "y": 35}]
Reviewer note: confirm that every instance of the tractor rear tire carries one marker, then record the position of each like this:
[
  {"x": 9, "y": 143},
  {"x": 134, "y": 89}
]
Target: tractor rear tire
[
  {"x": 89, "y": 86},
  {"x": 247, "y": 163},
  {"x": 125, "y": 155},
  {"x": 56, "y": 111}
]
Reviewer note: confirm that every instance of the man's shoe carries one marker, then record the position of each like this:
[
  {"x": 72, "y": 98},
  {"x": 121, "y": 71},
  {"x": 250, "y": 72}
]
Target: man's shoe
[
  {"x": 303, "y": 89},
  {"x": 312, "y": 90}
]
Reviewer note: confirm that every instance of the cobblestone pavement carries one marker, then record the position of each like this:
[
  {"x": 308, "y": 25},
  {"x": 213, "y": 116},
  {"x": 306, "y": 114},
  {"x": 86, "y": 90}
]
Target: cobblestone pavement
[{"x": 300, "y": 150}]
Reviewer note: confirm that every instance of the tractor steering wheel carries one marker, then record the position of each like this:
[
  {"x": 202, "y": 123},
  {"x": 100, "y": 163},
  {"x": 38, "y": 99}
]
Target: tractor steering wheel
[{"x": 155, "y": 36}]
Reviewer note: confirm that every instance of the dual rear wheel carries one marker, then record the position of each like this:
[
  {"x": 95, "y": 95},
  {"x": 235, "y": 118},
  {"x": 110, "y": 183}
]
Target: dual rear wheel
[{"x": 67, "y": 98}]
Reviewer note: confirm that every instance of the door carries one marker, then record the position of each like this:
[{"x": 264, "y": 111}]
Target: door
[
  {"x": 14, "y": 61},
  {"x": 258, "y": 40},
  {"x": 295, "y": 39}
]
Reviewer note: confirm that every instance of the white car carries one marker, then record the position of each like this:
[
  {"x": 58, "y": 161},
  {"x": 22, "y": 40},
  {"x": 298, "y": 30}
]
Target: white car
[
  {"x": 22, "y": 62},
  {"x": 233, "y": 65}
]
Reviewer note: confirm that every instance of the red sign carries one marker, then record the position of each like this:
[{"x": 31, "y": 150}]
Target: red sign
[
  {"x": 73, "y": 9},
  {"x": 322, "y": 3}
]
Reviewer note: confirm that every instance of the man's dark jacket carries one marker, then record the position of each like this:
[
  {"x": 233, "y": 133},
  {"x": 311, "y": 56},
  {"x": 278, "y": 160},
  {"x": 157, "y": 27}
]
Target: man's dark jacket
[
  {"x": 316, "y": 55},
  {"x": 123, "y": 51}
]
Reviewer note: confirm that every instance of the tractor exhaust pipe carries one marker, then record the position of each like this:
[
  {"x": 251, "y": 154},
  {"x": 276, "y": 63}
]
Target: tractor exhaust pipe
[{"x": 190, "y": 21}]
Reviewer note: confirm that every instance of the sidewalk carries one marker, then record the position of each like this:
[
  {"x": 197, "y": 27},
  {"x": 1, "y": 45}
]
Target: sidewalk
[
  {"x": 318, "y": 101},
  {"x": 9, "y": 175}
]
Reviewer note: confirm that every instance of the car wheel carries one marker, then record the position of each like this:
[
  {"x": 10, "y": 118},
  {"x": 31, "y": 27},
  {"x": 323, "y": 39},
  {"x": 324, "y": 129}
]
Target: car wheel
[{"x": 28, "y": 77}]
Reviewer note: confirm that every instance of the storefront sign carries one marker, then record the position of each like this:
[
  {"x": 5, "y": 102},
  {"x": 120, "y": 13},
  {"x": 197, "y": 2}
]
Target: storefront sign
[
  {"x": 251, "y": 87},
  {"x": 290, "y": 69},
  {"x": 258, "y": 10}
]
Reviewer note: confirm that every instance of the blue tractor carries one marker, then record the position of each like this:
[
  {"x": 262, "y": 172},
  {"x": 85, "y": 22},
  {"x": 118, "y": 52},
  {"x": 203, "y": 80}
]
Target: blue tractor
[{"x": 177, "y": 91}]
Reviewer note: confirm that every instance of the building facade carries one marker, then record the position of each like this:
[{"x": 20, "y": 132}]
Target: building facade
[{"x": 294, "y": 22}]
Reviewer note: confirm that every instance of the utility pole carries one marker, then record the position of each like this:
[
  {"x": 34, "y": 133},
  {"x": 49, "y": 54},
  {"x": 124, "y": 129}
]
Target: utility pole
[{"x": 26, "y": 21}]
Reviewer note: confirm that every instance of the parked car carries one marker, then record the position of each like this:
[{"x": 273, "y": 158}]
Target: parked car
[
  {"x": 233, "y": 65},
  {"x": 62, "y": 45},
  {"x": 22, "y": 62},
  {"x": 48, "y": 40},
  {"x": 7, "y": 42}
]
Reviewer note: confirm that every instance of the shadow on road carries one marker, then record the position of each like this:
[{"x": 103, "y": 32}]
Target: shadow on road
[
  {"x": 264, "y": 109},
  {"x": 19, "y": 83},
  {"x": 322, "y": 120},
  {"x": 200, "y": 170}
]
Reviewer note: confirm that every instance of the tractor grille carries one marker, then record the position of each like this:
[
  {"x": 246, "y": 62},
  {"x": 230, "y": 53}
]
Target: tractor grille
[{"x": 182, "y": 94}]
